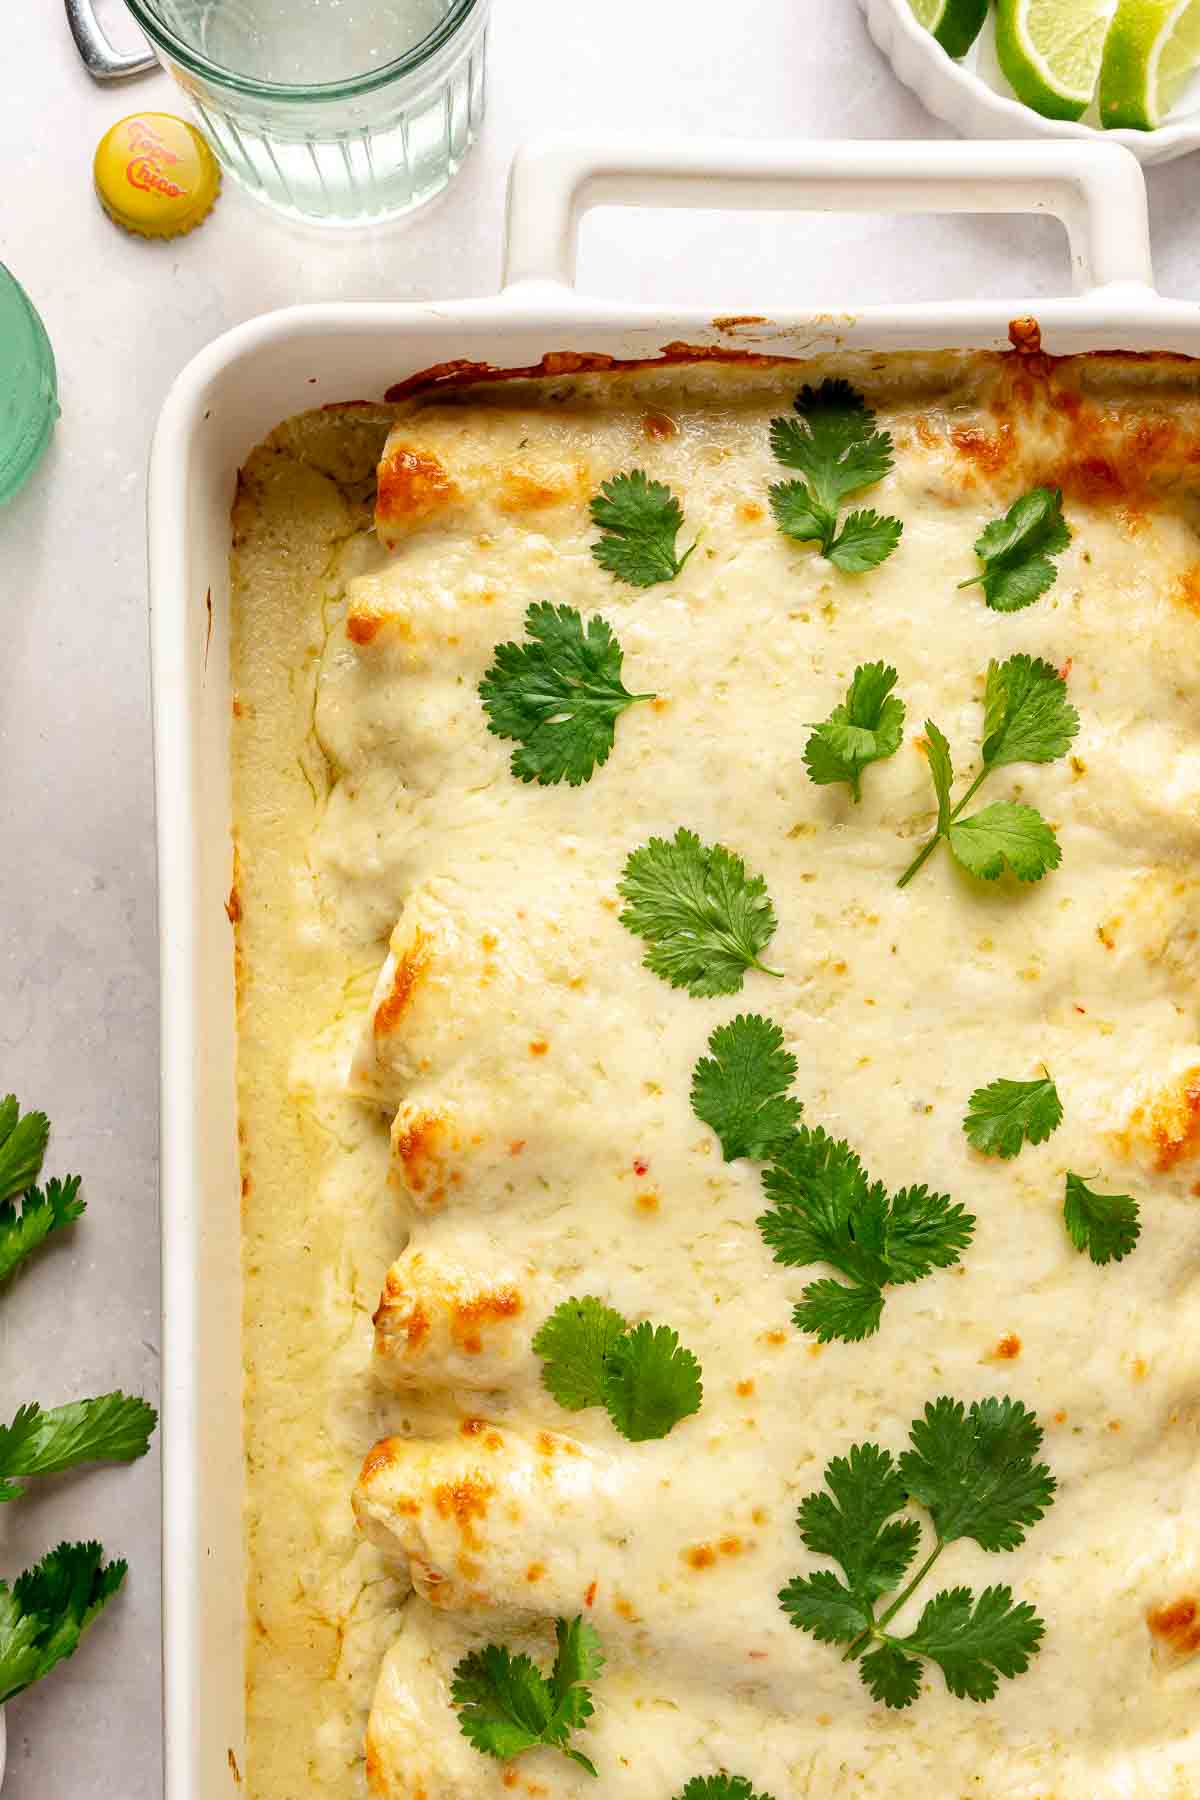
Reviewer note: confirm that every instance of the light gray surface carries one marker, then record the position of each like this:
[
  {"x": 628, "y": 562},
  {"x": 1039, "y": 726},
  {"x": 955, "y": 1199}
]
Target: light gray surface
[{"x": 77, "y": 922}]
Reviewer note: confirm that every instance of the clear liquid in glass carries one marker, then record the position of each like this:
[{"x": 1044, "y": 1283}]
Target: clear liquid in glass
[{"x": 300, "y": 42}]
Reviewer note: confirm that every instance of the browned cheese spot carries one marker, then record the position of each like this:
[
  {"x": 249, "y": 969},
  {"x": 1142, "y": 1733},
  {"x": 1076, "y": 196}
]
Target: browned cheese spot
[
  {"x": 465, "y": 1501},
  {"x": 378, "y": 1459},
  {"x": 410, "y": 966},
  {"x": 412, "y": 486},
  {"x": 488, "y": 1307},
  {"x": 1177, "y": 1625}
]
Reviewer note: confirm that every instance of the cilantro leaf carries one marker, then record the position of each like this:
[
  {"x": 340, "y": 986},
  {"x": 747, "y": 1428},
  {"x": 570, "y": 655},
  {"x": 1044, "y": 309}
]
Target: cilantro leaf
[
  {"x": 506, "y": 1705},
  {"x": 112, "y": 1428},
  {"x": 643, "y": 1377},
  {"x": 23, "y": 1138},
  {"x": 41, "y": 1212},
  {"x": 640, "y": 520},
  {"x": 1027, "y": 718},
  {"x": 1107, "y": 1226},
  {"x": 835, "y": 446},
  {"x": 826, "y": 1210},
  {"x": 865, "y": 540},
  {"x": 48, "y": 1609},
  {"x": 740, "y": 1089},
  {"x": 973, "y": 1468},
  {"x": 705, "y": 919},
  {"x": 797, "y": 514},
  {"x": 865, "y": 728},
  {"x": 832, "y": 1310},
  {"x": 974, "y": 1471},
  {"x": 651, "y": 1383},
  {"x": 832, "y": 442},
  {"x": 1017, "y": 550},
  {"x": 574, "y": 1344},
  {"x": 559, "y": 695},
  {"x": 720, "y": 1787},
  {"x": 1026, "y": 714},
  {"x": 1005, "y": 835},
  {"x": 975, "y": 1640},
  {"x": 891, "y": 1675},
  {"x": 1006, "y": 1114}
]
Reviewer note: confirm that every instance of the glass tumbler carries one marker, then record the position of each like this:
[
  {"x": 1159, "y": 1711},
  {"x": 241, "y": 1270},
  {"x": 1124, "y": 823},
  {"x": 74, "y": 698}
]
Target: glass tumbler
[{"x": 341, "y": 111}]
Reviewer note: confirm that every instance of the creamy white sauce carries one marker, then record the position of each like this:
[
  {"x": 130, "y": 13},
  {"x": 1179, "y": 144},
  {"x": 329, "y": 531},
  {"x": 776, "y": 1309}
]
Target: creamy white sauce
[{"x": 544, "y": 1138}]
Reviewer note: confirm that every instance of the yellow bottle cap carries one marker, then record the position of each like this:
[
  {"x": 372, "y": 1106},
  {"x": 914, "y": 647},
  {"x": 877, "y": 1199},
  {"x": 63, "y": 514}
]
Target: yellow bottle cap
[{"x": 155, "y": 175}]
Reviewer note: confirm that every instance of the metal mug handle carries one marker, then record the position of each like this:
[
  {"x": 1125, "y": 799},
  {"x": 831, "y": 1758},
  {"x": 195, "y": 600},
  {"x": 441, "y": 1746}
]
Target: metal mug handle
[
  {"x": 102, "y": 61},
  {"x": 1097, "y": 190}
]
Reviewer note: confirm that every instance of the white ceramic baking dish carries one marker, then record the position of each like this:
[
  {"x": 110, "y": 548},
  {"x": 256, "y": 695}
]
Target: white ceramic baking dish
[{"x": 226, "y": 400}]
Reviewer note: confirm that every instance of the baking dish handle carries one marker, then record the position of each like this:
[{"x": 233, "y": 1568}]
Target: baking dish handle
[{"x": 1097, "y": 190}]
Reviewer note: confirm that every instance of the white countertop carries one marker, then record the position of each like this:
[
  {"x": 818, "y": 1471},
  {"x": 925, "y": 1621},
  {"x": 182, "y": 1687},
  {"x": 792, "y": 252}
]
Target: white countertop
[{"x": 78, "y": 960}]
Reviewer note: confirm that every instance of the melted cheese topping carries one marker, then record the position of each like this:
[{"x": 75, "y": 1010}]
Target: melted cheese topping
[{"x": 534, "y": 1077}]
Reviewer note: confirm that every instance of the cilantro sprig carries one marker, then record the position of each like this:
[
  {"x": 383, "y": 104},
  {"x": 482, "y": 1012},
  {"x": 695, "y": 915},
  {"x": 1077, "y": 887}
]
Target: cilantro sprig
[
  {"x": 705, "y": 919},
  {"x": 867, "y": 727},
  {"x": 1026, "y": 718},
  {"x": 506, "y": 1705},
  {"x": 642, "y": 1376},
  {"x": 29, "y": 1214},
  {"x": 111, "y": 1428},
  {"x": 47, "y": 1610},
  {"x": 826, "y": 1210},
  {"x": 834, "y": 444},
  {"x": 1017, "y": 551},
  {"x": 639, "y": 520},
  {"x": 1006, "y": 1114},
  {"x": 740, "y": 1087},
  {"x": 973, "y": 1471},
  {"x": 720, "y": 1787},
  {"x": 1107, "y": 1226},
  {"x": 559, "y": 695}
]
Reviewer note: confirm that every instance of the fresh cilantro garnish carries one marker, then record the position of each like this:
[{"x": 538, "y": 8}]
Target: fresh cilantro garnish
[
  {"x": 1006, "y": 1114},
  {"x": 48, "y": 1609},
  {"x": 112, "y": 1428},
  {"x": 29, "y": 1214},
  {"x": 972, "y": 1469},
  {"x": 42, "y": 1211},
  {"x": 834, "y": 444},
  {"x": 827, "y": 1211},
  {"x": 704, "y": 918},
  {"x": 1107, "y": 1226},
  {"x": 644, "y": 1378},
  {"x": 865, "y": 728},
  {"x": 720, "y": 1787},
  {"x": 1026, "y": 718},
  {"x": 559, "y": 695},
  {"x": 640, "y": 520},
  {"x": 506, "y": 1705},
  {"x": 23, "y": 1139},
  {"x": 1016, "y": 550},
  {"x": 740, "y": 1088},
  {"x": 574, "y": 1345}
]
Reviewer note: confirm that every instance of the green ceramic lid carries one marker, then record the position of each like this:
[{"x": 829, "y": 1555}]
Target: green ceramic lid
[{"x": 28, "y": 386}]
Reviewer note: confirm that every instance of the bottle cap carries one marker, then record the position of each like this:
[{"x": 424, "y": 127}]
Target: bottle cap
[{"x": 155, "y": 175}]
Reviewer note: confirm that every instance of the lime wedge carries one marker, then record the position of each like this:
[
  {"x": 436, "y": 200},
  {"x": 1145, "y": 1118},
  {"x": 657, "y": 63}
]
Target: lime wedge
[
  {"x": 1153, "y": 46},
  {"x": 1050, "y": 50},
  {"x": 954, "y": 23}
]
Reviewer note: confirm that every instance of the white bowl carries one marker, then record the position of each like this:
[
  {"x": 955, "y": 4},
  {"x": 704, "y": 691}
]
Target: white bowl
[{"x": 973, "y": 96}]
